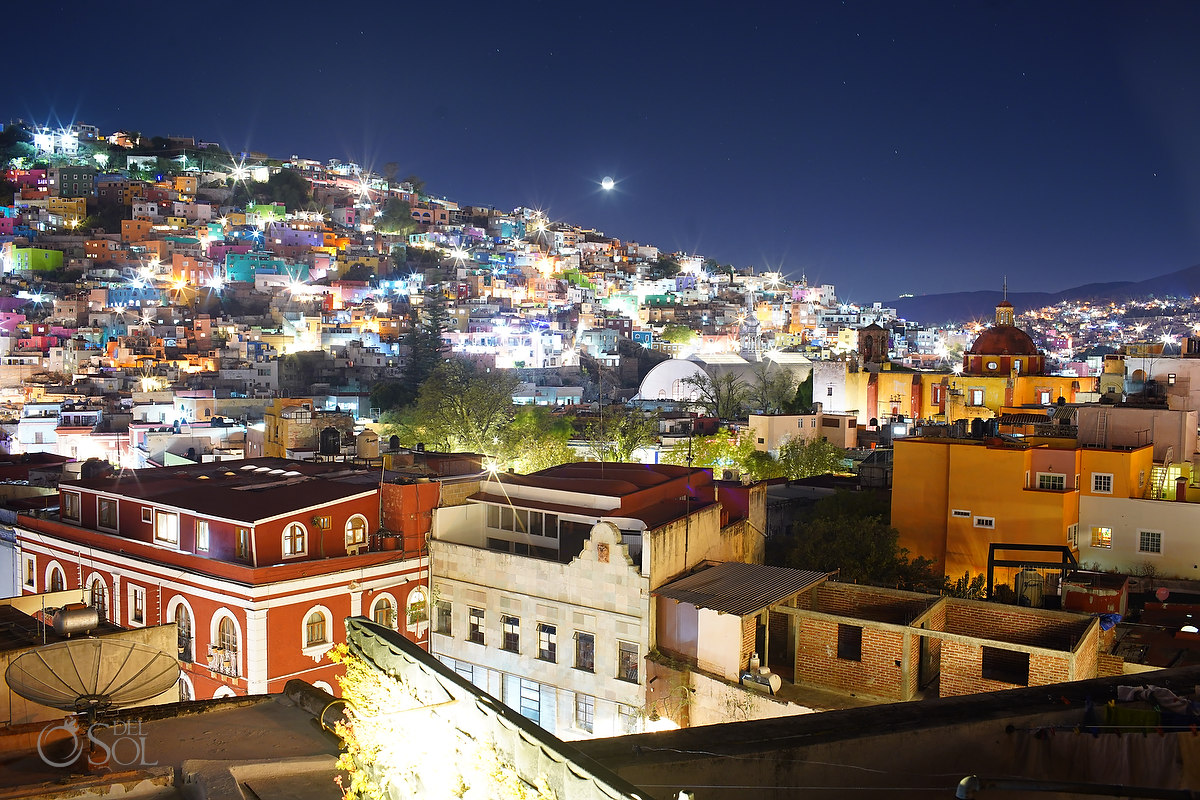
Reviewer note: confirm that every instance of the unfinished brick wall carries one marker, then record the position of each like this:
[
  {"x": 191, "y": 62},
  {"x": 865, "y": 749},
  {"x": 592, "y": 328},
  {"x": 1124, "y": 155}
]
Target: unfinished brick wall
[
  {"x": 866, "y": 602},
  {"x": 749, "y": 629},
  {"x": 962, "y": 669},
  {"x": 878, "y": 673},
  {"x": 1014, "y": 624},
  {"x": 456, "y": 493}
]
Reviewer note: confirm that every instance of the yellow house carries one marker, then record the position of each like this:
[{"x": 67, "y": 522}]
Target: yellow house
[
  {"x": 177, "y": 222},
  {"x": 235, "y": 218},
  {"x": 952, "y": 498},
  {"x": 68, "y": 207}
]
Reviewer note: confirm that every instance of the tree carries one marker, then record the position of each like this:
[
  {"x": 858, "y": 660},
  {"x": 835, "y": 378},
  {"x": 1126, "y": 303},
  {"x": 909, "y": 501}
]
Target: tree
[
  {"x": 390, "y": 395},
  {"x": 418, "y": 185},
  {"x": 536, "y": 439},
  {"x": 663, "y": 268},
  {"x": 770, "y": 391},
  {"x": 801, "y": 459},
  {"x": 802, "y": 403},
  {"x": 463, "y": 410},
  {"x": 396, "y": 219},
  {"x": 618, "y": 432},
  {"x": 426, "y": 345},
  {"x": 723, "y": 397},
  {"x": 849, "y": 533},
  {"x": 289, "y": 188},
  {"x": 678, "y": 334}
]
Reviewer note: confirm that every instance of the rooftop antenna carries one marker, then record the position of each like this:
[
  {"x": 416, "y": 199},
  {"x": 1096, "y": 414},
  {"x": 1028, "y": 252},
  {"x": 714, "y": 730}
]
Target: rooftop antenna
[{"x": 1006, "y": 287}]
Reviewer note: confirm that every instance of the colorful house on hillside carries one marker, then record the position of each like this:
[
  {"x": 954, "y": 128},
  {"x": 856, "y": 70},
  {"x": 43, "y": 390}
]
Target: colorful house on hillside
[
  {"x": 36, "y": 259},
  {"x": 244, "y": 266}
]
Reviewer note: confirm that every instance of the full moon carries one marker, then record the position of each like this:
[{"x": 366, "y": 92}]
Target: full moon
[{"x": 607, "y": 184}]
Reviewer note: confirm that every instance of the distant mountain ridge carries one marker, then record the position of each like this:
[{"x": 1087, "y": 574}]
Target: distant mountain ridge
[{"x": 934, "y": 309}]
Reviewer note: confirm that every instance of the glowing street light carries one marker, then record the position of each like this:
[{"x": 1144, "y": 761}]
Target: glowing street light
[{"x": 607, "y": 184}]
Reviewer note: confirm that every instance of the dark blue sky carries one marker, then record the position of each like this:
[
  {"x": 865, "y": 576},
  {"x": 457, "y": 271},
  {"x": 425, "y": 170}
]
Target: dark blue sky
[{"x": 886, "y": 147}]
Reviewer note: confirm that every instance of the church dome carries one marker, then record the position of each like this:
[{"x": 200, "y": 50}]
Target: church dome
[{"x": 1003, "y": 340}]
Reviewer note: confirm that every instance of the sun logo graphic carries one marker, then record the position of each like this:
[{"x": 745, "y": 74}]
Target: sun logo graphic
[{"x": 48, "y": 736}]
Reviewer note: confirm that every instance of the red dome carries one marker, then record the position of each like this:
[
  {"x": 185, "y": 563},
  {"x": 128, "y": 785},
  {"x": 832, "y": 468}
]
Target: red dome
[{"x": 1003, "y": 340}]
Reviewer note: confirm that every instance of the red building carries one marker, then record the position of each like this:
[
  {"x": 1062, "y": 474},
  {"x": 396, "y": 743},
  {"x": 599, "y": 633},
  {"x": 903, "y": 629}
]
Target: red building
[{"x": 258, "y": 562}]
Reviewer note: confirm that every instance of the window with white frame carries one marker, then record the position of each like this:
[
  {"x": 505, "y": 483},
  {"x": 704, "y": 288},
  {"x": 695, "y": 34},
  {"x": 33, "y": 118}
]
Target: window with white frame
[
  {"x": 315, "y": 630},
  {"x": 58, "y": 579},
  {"x": 975, "y": 397},
  {"x": 531, "y": 700},
  {"x": 137, "y": 605},
  {"x": 444, "y": 618},
  {"x": 106, "y": 513},
  {"x": 1073, "y": 535},
  {"x": 547, "y": 642},
  {"x": 417, "y": 608},
  {"x": 475, "y": 626},
  {"x": 511, "y": 628},
  {"x": 166, "y": 527},
  {"x": 958, "y": 512},
  {"x": 1101, "y": 537},
  {"x": 627, "y": 718},
  {"x": 985, "y": 522},
  {"x": 294, "y": 539},
  {"x": 384, "y": 613},
  {"x": 1150, "y": 542},
  {"x": 70, "y": 506},
  {"x": 356, "y": 530},
  {"x": 202, "y": 534},
  {"x": 1051, "y": 481},
  {"x": 30, "y": 571},
  {"x": 147, "y": 515},
  {"x": 1102, "y": 482}
]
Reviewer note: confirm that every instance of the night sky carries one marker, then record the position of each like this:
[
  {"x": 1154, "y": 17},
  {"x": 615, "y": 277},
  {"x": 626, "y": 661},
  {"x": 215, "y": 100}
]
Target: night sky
[{"x": 886, "y": 147}]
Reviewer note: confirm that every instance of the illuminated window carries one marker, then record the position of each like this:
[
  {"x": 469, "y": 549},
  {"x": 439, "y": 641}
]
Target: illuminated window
[
  {"x": 1102, "y": 483},
  {"x": 976, "y": 397},
  {"x": 511, "y": 626},
  {"x": 183, "y": 627},
  {"x": 314, "y": 629},
  {"x": 294, "y": 540},
  {"x": 585, "y": 712},
  {"x": 356, "y": 530},
  {"x": 201, "y": 534},
  {"x": 475, "y": 626},
  {"x": 166, "y": 527},
  {"x": 227, "y": 638},
  {"x": 1150, "y": 542},
  {"x": 627, "y": 661},
  {"x": 1101, "y": 537},
  {"x": 627, "y": 718},
  {"x": 547, "y": 642},
  {"x": 70, "y": 506}
]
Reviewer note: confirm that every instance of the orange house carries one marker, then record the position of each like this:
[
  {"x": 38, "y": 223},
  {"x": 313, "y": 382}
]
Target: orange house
[{"x": 135, "y": 230}]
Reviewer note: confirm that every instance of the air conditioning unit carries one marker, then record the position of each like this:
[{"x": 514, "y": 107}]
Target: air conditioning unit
[{"x": 731, "y": 474}]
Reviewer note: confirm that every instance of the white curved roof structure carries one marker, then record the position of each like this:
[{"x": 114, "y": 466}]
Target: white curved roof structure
[{"x": 666, "y": 381}]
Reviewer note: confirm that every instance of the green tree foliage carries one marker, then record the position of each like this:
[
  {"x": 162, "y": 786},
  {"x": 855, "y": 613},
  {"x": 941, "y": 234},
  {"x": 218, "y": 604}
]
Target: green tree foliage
[
  {"x": 802, "y": 403},
  {"x": 396, "y": 219},
  {"x": 426, "y": 346},
  {"x": 289, "y": 188},
  {"x": 391, "y": 395},
  {"x": 967, "y": 587},
  {"x": 418, "y": 185},
  {"x": 850, "y": 533},
  {"x": 771, "y": 389},
  {"x": 678, "y": 334},
  {"x": 619, "y": 431},
  {"x": 462, "y": 410},
  {"x": 663, "y": 268},
  {"x": 801, "y": 459},
  {"x": 723, "y": 397},
  {"x": 536, "y": 439}
]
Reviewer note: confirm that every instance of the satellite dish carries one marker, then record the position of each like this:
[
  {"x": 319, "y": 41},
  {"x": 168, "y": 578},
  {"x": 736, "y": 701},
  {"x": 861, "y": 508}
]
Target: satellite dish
[{"x": 92, "y": 675}]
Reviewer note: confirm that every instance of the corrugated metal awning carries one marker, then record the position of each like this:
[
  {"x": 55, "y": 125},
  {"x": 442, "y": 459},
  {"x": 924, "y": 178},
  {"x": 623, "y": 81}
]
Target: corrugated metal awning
[{"x": 735, "y": 588}]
